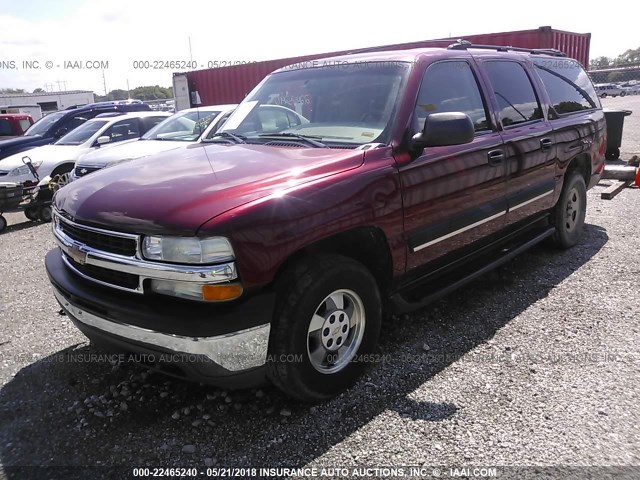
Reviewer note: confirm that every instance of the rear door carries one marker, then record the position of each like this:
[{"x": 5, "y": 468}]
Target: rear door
[
  {"x": 453, "y": 195},
  {"x": 530, "y": 151},
  {"x": 575, "y": 114}
]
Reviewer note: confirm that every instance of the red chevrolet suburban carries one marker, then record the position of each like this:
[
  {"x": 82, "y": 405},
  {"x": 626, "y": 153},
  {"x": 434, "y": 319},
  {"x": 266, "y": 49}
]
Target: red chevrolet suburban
[{"x": 384, "y": 181}]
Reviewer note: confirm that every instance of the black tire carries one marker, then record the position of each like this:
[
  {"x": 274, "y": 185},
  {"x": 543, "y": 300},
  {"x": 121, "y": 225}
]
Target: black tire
[
  {"x": 612, "y": 154},
  {"x": 44, "y": 213},
  {"x": 623, "y": 94},
  {"x": 603, "y": 95},
  {"x": 3, "y": 224},
  {"x": 304, "y": 292},
  {"x": 568, "y": 214},
  {"x": 31, "y": 213}
]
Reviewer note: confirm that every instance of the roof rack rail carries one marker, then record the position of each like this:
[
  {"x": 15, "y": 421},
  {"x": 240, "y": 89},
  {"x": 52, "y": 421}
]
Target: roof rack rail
[
  {"x": 385, "y": 48},
  {"x": 464, "y": 44}
]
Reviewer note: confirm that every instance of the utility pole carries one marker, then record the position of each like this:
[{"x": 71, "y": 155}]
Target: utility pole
[
  {"x": 104, "y": 83},
  {"x": 128, "y": 92}
]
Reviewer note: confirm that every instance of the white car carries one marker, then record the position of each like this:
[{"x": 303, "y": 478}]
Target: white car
[
  {"x": 183, "y": 128},
  {"x": 57, "y": 160},
  {"x": 605, "y": 90}
]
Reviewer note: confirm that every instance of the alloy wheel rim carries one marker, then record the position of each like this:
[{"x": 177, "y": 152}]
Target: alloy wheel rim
[
  {"x": 572, "y": 211},
  {"x": 335, "y": 331}
]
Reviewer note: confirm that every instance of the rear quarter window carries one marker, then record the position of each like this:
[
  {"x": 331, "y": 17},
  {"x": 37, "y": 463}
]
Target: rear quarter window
[{"x": 567, "y": 84}]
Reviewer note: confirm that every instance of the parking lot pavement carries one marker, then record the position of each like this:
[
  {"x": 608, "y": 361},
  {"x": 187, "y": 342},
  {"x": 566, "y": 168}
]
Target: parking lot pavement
[{"x": 534, "y": 364}]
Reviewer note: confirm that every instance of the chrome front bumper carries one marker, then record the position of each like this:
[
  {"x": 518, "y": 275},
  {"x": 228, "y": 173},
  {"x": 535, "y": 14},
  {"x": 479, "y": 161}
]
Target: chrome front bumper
[{"x": 235, "y": 352}]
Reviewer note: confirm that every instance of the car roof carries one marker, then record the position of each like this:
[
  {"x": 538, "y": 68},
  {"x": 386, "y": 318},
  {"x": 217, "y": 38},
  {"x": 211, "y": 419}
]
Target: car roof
[
  {"x": 413, "y": 55},
  {"x": 221, "y": 108},
  {"x": 127, "y": 115}
]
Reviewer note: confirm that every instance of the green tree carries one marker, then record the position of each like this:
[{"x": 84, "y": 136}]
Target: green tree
[
  {"x": 630, "y": 56},
  {"x": 600, "y": 62},
  {"x": 12, "y": 90},
  {"x": 38, "y": 90},
  {"x": 615, "y": 77}
]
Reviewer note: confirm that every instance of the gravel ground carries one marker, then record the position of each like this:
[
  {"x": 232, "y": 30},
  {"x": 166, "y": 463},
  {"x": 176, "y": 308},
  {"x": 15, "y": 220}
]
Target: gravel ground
[{"x": 534, "y": 364}]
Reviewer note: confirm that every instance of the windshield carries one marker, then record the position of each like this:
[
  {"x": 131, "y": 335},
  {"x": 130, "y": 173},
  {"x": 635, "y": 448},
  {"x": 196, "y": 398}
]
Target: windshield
[
  {"x": 185, "y": 127},
  {"x": 81, "y": 134},
  {"x": 349, "y": 104},
  {"x": 42, "y": 125}
]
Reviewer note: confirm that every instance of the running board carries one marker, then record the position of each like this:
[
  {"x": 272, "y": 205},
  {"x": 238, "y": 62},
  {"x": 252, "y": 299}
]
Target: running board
[{"x": 401, "y": 305}]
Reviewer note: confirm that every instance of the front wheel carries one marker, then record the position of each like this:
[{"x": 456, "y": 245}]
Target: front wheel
[
  {"x": 568, "y": 214},
  {"x": 325, "y": 329},
  {"x": 44, "y": 214}
]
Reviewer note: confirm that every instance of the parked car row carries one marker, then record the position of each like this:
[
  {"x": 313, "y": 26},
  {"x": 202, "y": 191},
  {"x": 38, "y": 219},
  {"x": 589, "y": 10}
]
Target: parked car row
[{"x": 605, "y": 90}]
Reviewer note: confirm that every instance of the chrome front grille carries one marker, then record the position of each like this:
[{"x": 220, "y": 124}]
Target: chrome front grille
[
  {"x": 100, "y": 240},
  {"x": 82, "y": 171},
  {"x": 113, "y": 259}
]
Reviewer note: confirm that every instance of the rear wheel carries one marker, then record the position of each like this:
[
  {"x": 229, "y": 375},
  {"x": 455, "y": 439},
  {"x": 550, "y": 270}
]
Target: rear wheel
[
  {"x": 325, "y": 327},
  {"x": 568, "y": 214},
  {"x": 3, "y": 223}
]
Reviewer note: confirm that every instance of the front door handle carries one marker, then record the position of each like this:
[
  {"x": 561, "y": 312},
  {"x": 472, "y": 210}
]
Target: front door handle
[
  {"x": 546, "y": 144},
  {"x": 495, "y": 157}
]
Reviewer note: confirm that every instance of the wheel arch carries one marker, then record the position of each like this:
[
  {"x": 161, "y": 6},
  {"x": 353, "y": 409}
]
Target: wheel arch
[
  {"x": 581, "y": 163},
  {"x": 367, "y": 245}
]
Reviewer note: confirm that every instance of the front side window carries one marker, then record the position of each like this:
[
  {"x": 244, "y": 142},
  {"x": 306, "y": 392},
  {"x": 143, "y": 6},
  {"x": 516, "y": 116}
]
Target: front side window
[
  {"x": 450, "y": 87},
  {"x": 514, "y": 92},
  {"x": 186, "y": 127},
  {"x": 567, "y": 84},
  {"x": 82, "y": 133},
  {"x": 341, "y": 103}
]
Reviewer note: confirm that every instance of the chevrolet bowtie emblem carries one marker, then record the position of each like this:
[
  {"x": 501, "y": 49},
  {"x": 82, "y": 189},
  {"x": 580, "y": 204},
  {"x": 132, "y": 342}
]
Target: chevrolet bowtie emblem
[
  {"x": 77, "y": 255},
  {"x": 83, "y": 171}
]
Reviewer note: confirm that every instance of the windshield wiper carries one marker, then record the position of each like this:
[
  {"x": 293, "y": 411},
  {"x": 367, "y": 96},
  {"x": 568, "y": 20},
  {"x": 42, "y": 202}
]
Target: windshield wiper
[
  {"x": 227, "y": 136},
  {"x": 307, "y": 138}
]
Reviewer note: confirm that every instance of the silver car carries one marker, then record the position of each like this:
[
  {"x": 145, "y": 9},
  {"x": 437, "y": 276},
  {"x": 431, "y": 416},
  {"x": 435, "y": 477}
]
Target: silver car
[{"x": 185, "y": 127}]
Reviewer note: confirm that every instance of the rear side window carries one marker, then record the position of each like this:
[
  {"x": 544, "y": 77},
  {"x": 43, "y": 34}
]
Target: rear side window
[
  {"x": 569, "y": 87},
  {"x": 516, "y": 97},
  {"x": 25, "y": 124},
  {"x": 450, "y": 87}
]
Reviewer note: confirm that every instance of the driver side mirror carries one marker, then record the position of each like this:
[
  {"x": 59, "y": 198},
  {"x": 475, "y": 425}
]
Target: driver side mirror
[
  {"x": 442, "y": 129},
  {"x": 102, "y": 140}
]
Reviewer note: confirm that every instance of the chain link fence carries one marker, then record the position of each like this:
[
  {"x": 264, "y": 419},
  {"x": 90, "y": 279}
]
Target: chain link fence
[{"x": 616, "y": 81}]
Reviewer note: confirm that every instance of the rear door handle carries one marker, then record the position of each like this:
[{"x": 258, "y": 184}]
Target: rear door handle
[
  {"x": 495, "y": 157},
  {"x": 546, "y": 144}
]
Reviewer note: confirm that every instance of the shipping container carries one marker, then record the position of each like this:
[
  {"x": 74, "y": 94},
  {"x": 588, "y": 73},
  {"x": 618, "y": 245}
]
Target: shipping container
[{"x": 230, "y": 84}]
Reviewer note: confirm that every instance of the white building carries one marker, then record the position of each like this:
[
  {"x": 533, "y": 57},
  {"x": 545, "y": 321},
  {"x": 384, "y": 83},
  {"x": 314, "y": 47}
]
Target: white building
[{"x": 48, "y": 101}]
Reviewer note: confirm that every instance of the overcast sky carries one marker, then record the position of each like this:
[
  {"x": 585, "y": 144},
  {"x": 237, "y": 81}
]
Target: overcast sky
[{"x": 123, "y": 31}]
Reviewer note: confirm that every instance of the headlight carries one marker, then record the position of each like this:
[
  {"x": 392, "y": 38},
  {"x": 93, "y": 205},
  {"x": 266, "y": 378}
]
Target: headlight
[
  {"x": 191, "y": 250},
  {"x": 24, "y": 169}
]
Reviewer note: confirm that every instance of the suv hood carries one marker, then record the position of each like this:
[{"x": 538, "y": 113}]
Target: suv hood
[
  {"x": 176, "y": 192},
  {"x": 128, "y": 151}
]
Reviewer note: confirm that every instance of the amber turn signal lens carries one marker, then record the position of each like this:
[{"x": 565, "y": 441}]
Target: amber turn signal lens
[{"x": 218, "y": 293}]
